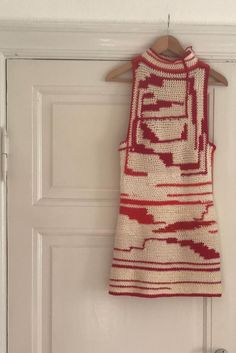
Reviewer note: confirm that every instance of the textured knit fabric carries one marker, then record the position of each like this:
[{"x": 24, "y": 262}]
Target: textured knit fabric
[{"x": 167, "y": 241}]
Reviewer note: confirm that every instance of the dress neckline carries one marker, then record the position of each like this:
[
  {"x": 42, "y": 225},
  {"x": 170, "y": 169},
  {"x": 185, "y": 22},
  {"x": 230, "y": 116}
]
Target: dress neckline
[{"x": 187, "y": 60}]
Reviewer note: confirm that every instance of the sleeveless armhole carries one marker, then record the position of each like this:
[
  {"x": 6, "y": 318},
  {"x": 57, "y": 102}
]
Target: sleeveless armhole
[
  {"x": 124, "y": 143},
  {"x": 206, "y": 105}
]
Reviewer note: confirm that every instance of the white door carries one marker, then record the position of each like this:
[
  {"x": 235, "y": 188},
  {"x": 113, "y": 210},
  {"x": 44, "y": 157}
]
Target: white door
[{"x": 65, "y": 124}]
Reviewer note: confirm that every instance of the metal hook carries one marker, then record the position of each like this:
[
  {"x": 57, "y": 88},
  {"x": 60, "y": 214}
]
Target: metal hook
[{"x": 168, "y": 25}]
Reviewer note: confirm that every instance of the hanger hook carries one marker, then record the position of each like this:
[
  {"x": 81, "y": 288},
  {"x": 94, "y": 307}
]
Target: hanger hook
[{"x": 168, "y": 25}]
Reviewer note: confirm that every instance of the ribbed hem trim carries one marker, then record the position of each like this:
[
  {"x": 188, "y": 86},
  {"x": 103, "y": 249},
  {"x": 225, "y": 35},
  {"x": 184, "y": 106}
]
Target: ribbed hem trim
[{"x": 166, "y": 295}]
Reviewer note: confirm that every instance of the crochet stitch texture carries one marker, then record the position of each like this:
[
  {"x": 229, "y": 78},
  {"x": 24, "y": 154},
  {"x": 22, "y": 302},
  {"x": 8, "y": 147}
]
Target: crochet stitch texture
[{"x": 166, "y": 239}]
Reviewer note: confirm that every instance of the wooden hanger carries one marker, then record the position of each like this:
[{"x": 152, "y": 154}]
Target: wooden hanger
[{"x": 162, "y": 44}]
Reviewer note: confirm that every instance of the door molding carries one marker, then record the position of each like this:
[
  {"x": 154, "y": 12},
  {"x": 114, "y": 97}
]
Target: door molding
[
  {"x": 91, "y": 40},
  {"x": 96, "y": 41}
]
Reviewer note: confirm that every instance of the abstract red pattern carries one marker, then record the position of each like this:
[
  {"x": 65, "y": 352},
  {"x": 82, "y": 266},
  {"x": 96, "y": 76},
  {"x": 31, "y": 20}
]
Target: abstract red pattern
[{"x": 167, "y": 238}]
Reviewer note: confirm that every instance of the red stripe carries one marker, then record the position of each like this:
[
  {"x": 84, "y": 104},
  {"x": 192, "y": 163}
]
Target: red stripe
[
  {"x": 166, "y": 295},
  {"x": 169, "y": 263},
  {"x": 199, "y": 248},
  {"x": 113, "y": 285},
  {"x": 183, "y": 225},
  {"x": 191, "y": 194},
  {"x": 193, "y": 184},
  {"x": 153, "y": 202},
  {"x": 161, "y": 117},
  {"x": 170, "y": 282},
  {"x": 168, "y": 269}
]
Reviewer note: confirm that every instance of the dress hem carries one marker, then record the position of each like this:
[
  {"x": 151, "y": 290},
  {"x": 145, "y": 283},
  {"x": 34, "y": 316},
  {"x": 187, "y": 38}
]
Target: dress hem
[{"x": 166, "y": 295}]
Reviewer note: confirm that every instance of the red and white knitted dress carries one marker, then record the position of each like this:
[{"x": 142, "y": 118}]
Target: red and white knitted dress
[{"x": 167, "y": 240}]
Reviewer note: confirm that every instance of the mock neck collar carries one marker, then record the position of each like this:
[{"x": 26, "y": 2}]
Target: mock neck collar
[{"x": 186, "y": 61}]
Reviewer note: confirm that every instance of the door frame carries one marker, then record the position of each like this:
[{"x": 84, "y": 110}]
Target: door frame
[{"x": 95, "y": 41}]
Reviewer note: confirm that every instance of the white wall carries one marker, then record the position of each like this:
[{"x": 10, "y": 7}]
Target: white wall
[{"x": 191, "y": 11}]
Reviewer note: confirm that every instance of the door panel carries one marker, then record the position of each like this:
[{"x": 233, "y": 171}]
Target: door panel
[
  {"x": 224, "y": 310},
  {"x": 65, "y": 124}
]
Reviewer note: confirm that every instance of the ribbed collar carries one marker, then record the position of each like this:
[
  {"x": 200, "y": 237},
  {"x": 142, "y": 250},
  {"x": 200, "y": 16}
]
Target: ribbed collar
[{"x": 187, "y": 61}]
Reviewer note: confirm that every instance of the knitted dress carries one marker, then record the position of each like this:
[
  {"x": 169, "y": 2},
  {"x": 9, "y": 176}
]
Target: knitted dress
[{"x": 166, "y": 238}]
